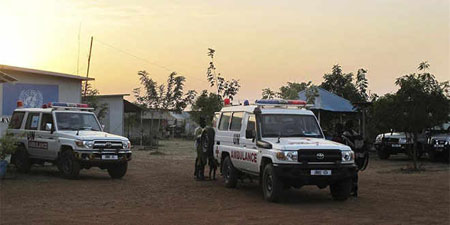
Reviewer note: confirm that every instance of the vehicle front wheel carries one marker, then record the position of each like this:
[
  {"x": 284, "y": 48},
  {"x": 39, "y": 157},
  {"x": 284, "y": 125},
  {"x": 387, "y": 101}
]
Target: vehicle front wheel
[
  {"x": 117, "y": 171},
  {"x": 271, "y": 184},
  {"x": 69, "y": 165},
  {"x": 230, "y": 173},
  {"x": 22, "y": 160},
  {"x": 341, "y": 190}
]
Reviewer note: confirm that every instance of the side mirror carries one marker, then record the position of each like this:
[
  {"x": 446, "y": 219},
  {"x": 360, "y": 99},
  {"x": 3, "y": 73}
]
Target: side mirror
[
  {"x": 103, "y": 127},
  {"x": 263, "y": 144},
  {"x": 250, "y": 134},
  {"x": 48, "y": 127}
]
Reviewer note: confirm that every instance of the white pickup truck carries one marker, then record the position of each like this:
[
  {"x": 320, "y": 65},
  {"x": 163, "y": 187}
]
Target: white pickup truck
[{"x": 68, "y": 135}]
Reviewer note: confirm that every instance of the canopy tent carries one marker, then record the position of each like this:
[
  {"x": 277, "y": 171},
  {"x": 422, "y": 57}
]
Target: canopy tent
[{"x": 328, "y": 101}]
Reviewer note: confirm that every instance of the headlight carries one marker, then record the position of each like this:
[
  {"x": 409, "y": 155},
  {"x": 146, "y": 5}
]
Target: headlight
[
  {"x": 126, "y": 144},
  {"x": 347, "y": 156},
  {"x": 402, "y": 141},
  {"x": 85, "y": 144},
  {"x": 291, "y": 156}
]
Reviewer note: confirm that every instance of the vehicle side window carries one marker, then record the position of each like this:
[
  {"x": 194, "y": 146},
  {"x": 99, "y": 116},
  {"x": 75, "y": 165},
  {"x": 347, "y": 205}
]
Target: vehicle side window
[
  {"x": 46, "y": 118},
  {"x": 224, "y": 121},
  {"x": 32, "y": 121},
  {"x": 16, "y": 120},
  {"x": 251, "y": 124},
  {"x": 215, "y": 119},
  {"x": 236, "y": 121}
]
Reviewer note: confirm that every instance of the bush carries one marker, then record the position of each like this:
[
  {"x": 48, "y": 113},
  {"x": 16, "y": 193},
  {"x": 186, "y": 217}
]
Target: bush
[{"x": 8, "y": 145}]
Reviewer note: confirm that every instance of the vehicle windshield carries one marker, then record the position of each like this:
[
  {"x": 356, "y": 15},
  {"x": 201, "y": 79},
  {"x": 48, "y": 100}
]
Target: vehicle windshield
[
  {"x": 77, "y": 121},
  {"x": 284, "y": 125}
]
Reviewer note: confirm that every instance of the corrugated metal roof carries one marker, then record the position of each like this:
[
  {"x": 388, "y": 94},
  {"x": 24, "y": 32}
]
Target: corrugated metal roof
[
  {"x": 42, "y": 72},
  {"x": 329, "y": 102}
]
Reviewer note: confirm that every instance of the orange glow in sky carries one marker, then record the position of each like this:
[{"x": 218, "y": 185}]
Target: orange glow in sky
[{"x": 261, "y": 43}]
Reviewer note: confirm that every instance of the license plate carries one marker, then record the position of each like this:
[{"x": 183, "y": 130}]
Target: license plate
[
  {"x": 396, "y": 146},
  {"x": 321, "y": 172},
  {"x": 109, "y": 157},
  {"x": 438, "y": 146}
]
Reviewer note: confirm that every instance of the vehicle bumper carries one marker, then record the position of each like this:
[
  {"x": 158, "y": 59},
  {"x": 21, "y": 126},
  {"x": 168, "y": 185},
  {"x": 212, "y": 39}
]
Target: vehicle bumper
[
  {"x": 393, "y": 148},
  {"x": 93, "y": 157},
  {"x": 443, "y": 149},
  {"x": 300, "y": 174}
]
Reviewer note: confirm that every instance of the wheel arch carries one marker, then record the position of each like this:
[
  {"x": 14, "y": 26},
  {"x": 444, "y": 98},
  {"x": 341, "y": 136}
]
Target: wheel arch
[{"x": 264, "y": 161}]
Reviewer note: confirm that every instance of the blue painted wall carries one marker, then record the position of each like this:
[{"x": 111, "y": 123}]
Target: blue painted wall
[{"x": 32, "y": 95}]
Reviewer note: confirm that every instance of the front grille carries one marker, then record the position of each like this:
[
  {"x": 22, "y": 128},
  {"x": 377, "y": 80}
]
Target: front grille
[
  {"x": 108, "y": 145},
  {"x": 315, "y": 155},
  {"x": 390, "y": 140}
]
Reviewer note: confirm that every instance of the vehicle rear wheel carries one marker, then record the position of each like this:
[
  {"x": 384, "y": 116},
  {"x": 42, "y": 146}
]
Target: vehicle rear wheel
[
  {"x": 69, "y": 165},
  {"x": 230, "y": 173},
  {"x": 272, "y": 185},
  {"x": 22, "y": 160},
  {"x": 117, "y": 171},
  {"x": 341, "y": 190}
]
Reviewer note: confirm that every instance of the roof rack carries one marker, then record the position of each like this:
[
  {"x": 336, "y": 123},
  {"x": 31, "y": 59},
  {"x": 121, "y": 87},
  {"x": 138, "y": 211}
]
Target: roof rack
[
  {"x": 67, "y": 106},
  {"x": 61, "y": 108},
  {"x": 281, "y": 103}
]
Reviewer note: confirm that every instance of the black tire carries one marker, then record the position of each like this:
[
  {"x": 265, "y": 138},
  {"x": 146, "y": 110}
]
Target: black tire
[
  {"x": 341, "y": 190},
  {"x": 382, "y": 154},
  {"x": 22, "y": 160},
  {"x": 117, "y": 171},
  {"x": 230, "y": 174},
  {"x": 69, "y": 165},
  {"x": 271, "y": 184},
  {"x": 433, "y": 156}
]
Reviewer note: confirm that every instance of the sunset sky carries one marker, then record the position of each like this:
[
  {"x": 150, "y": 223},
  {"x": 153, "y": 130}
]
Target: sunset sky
[{"x": 261, "y": 43}]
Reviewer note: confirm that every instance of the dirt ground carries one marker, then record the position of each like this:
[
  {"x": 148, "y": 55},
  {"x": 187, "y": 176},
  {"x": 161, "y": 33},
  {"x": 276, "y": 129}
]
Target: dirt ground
[{"x": 160, "y": 189}]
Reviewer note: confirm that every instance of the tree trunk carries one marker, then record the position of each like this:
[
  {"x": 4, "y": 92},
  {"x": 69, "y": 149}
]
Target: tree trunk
[
  {"x": 414, "y": 150},
  {"x": 151, "y": 129}
]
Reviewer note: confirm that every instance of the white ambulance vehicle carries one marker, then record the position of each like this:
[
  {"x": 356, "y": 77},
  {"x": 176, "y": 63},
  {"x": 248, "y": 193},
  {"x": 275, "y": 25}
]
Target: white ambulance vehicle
[{"x": 282, "y": 144}]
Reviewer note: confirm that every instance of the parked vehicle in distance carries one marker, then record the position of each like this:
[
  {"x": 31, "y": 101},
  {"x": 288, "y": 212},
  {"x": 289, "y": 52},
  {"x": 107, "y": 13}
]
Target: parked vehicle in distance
[
  {"x": 439, "y": 143},
  {"x": 70, "y": 136},
  {"x": 393, "y": 143},
  {"x": 281, "y": 143}
]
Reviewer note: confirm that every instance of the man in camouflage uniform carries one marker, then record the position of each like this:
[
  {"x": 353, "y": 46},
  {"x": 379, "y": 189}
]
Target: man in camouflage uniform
[{"x": 201, "y": 159}]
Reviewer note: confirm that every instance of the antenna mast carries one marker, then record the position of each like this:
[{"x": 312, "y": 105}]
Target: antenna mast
[{"x": 88, "y": 65}]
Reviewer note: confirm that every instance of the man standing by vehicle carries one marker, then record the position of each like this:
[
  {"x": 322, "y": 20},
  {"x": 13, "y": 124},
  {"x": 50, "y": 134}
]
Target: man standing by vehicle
[{"x": 200, "y": 161}]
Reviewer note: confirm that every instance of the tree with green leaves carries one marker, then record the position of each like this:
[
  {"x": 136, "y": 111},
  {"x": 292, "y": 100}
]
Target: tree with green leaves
[
  {"x": 90, "y": 97},
  {"x": 342, "y": 84},
  {"x": 291, "y": 89},
  {"x": 168, "y": 97},
  {"x": 205, "y": 106},
  {"x": 420, "y": 103},
  {"x": 225, "y": 88},
  {"x": 311, "y": 93},
  {"x": 267, "y": 93}
]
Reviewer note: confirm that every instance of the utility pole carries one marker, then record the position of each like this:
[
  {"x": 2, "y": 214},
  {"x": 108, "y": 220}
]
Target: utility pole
[{"x": 88, "y": 65}]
